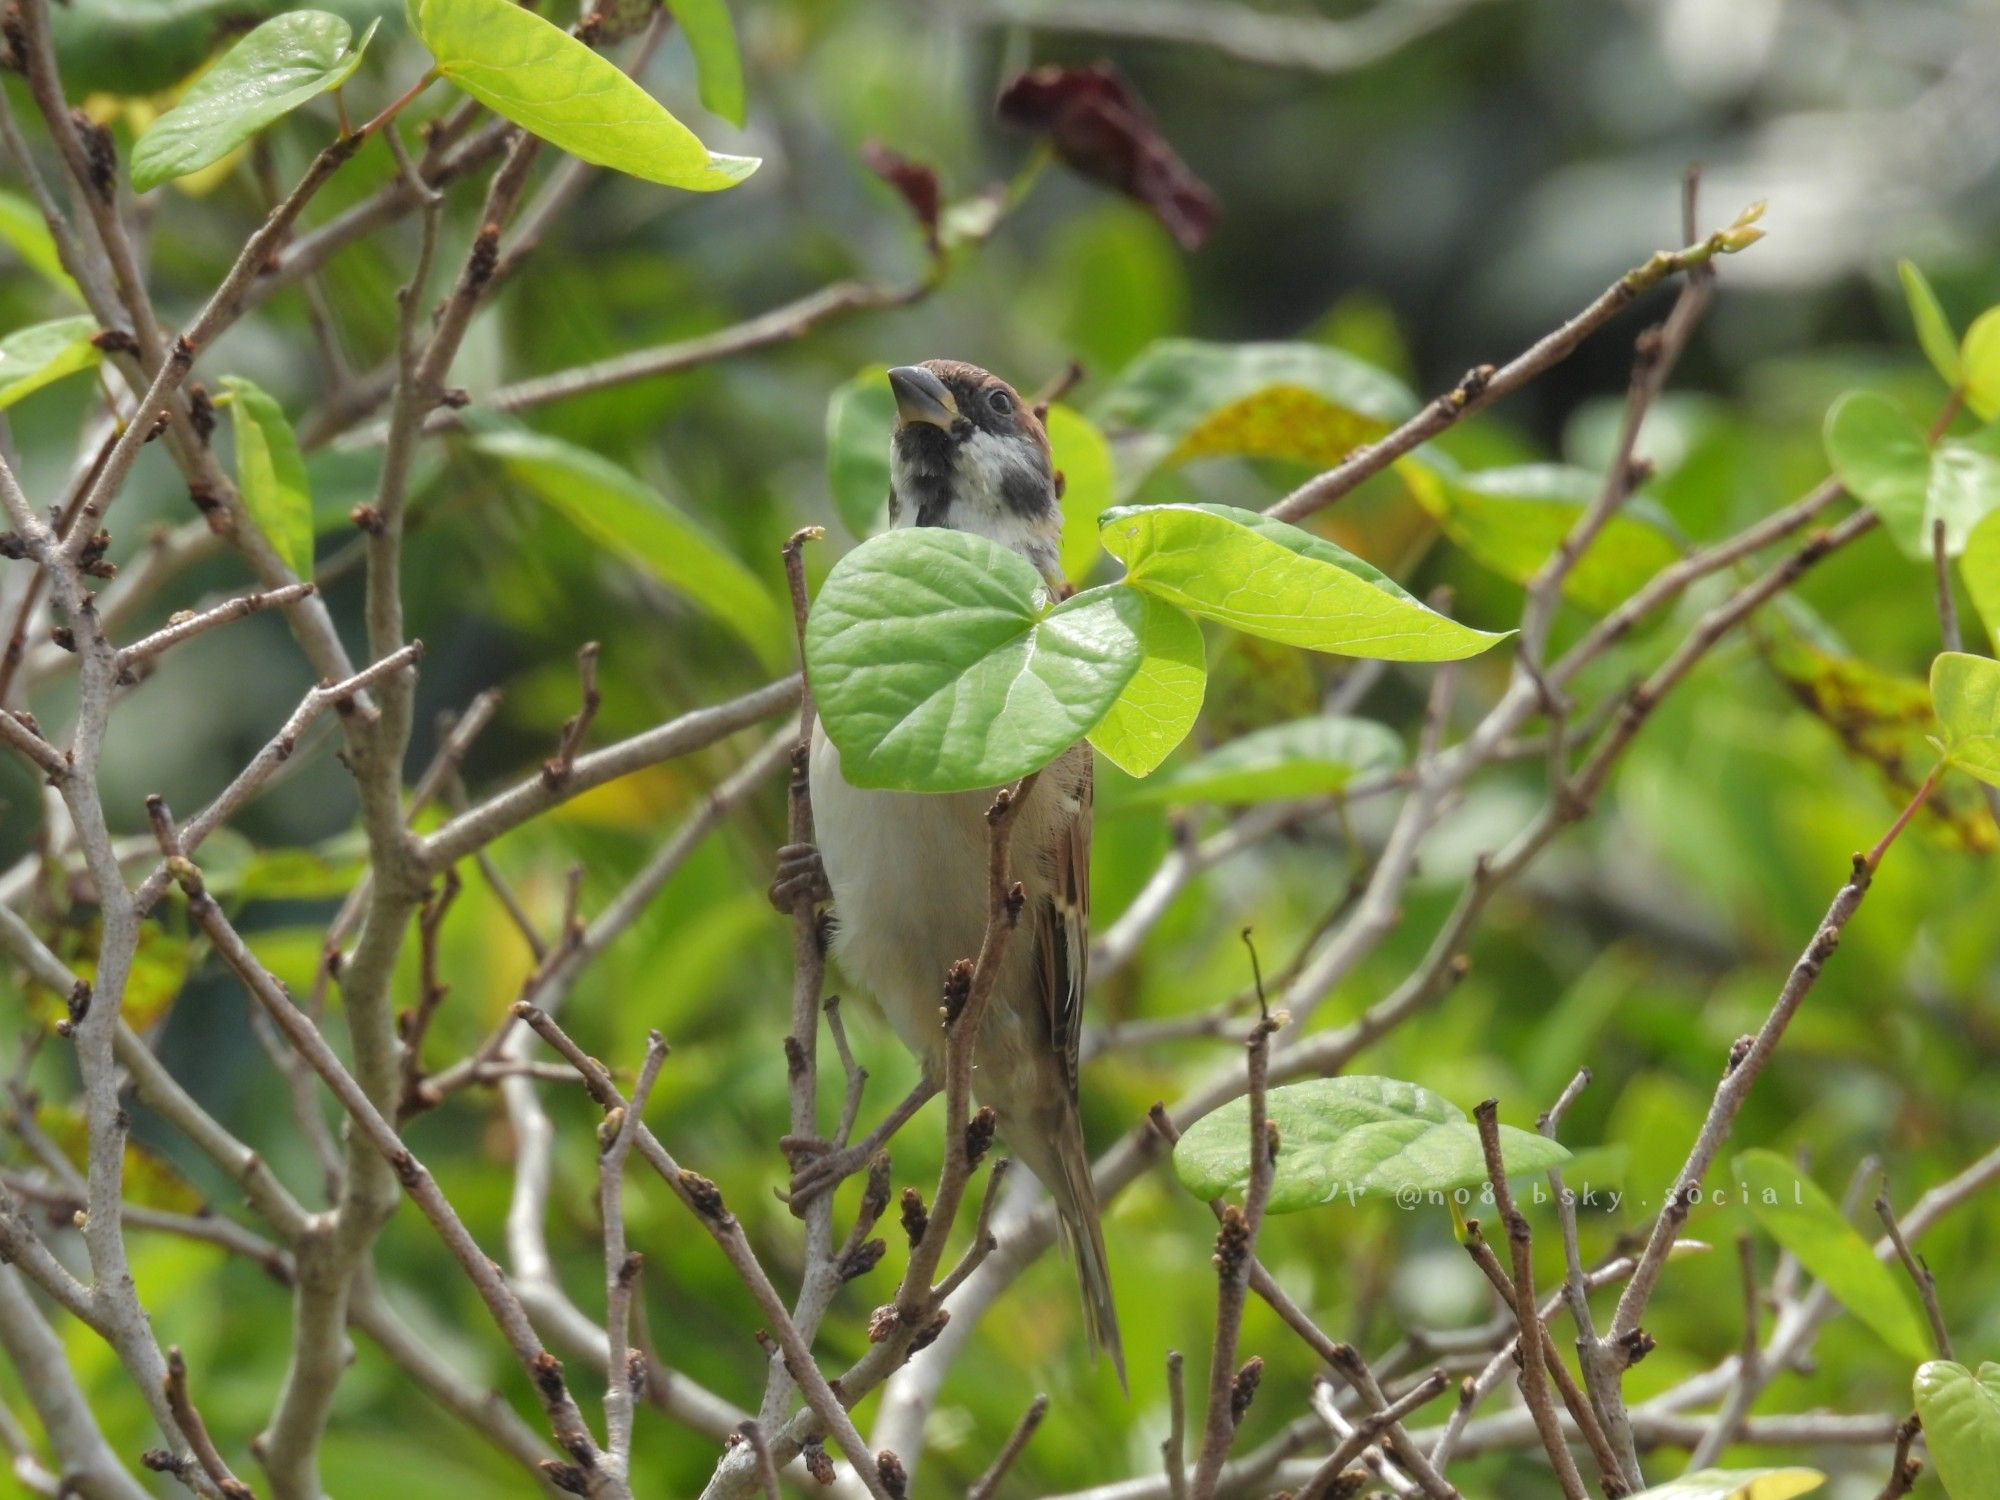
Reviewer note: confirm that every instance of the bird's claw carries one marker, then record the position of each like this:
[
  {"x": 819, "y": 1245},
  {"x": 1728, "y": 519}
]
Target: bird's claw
[{"x": 800, "y": 874}]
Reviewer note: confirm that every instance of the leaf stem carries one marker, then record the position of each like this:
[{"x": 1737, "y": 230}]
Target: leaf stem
[{"x": 392, "y": 109}]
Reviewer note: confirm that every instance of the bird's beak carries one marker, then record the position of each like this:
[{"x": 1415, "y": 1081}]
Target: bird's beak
[{"x": 922, "y": 397}]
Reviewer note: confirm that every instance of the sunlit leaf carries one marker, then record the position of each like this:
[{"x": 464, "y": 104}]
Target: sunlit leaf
[
  {"x": 634, "y": 520},
  {"x": 549, "y": 83},
  {"x": 1514, "y": 519},
  {"x": 271, "y": 473},
  {"x": 1183, "y": 399},
  {"x": 1159, "y": 705},
  {"x": 1351, "y": 1138},
  {"x": 1306, "y": 758},
  {"x": 1271, "y": 579},
  {"x": 285, "y": 62},
  {"x": 1884, "y": 458},
  {"x": 1084, "y": 459},
  {"x": 1980, "y": 357},
  {"x": 1979, "y": 566},
  {"x": 860, "y": 422},
  {"x": 718, "y": 64},
  {"x": 938, "y": 665},
  {"x": 1737, "y": 1484},
  {"x": 1934, "y": 331},
  {"x": 1965, "y": 692},
  {"x": 1809, "y": 1224},
  {"x": 44, "y": 353},
  {"x": 26, "y": 233},
  {"x": 1961, "y": 1416}
]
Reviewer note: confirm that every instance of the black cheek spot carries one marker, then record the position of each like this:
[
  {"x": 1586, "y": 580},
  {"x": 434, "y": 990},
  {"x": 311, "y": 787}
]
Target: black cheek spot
[{"x": 1026, "y": 493}]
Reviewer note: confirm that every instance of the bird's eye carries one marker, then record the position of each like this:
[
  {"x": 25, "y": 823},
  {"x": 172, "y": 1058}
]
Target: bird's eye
[{"x": 1000, "y": 401}]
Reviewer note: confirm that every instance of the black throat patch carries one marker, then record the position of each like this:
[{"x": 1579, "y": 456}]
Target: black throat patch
[{"x": 928, "y": 455}]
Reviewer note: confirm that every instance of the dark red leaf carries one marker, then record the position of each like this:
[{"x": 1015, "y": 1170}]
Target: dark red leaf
[
  {"x": 916, "y": 182},
  {"x": 1098, "y": 127}
]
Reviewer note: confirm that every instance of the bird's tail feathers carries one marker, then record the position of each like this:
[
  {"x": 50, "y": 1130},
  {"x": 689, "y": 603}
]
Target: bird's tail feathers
[{"x": 1083, "y": 1240}]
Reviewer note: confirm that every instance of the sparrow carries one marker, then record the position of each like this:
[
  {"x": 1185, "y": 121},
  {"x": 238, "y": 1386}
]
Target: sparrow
[{"x": 906, "y": 872}]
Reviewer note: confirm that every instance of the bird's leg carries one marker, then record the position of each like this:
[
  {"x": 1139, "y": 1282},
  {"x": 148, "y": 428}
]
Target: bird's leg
[
  {"x": 820, "y": 1167},
  {"x": 800, "y": 873}
]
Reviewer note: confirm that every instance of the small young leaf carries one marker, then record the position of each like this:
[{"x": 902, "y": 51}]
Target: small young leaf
[
  {"x": 1808, "y": 1223},
  {"x": 1934, "y": 332},
  {"x": 33, "y": 357},
  {"x": 1737, "y": 1484},
  {"x": 1084, "y": 459},
  {"x": 1306, "y": 758},
  {"x": 26, "y": 233},
  {"x": 632, "y": 518},
  {"x": 718, "y": 65},
  {"x": 1351, "y": 1138},
  {"x": 271, "y": 474},
  {"x": 1965, "y": 692},
  {"x": 860, "y": 419},
  {"x": 1512, "y": 519},
  {"x": 1183, "y": 399},
  {"x": 938, "y": 667},
  {"x": 549, "y": 83},
  {"x": 1878, "y": 452},
  {"x": 288, "y": 60},
  {"x": 1271, "y": 579},
  {"x": 1160, "y": 704},
  {"x": 1979, "y": 565},
  {"x": 1961, "y": 1416},
  {"x": 1980, "y": 356}
]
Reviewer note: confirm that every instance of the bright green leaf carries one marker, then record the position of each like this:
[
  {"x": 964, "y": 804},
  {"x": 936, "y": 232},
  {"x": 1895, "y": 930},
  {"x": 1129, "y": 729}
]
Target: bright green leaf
[
  {"x": 26, "y": 233},
  {"x": 44, "y": 353},
  {"x": 1980, "y": 356},
  {"x": 938, "y": 666},
  {"x": 1878, "y": 452},
  {"x": 549, "y": 83},
  {"x": 1934, "y": 332},
  {"x": 1964, "y": 485},
  {"x": 1965, "y": 692},
  {"x": 1160, "y": 704},
  {"x": 634, "y": 520},
  {"x": 1737, "y": 1484},
  {"x": 718, "y": 65},
  {"x": 1979, "y": 565},
  {"x": 1184, "y": 399},
  {"x": 1351, "y": 1138},
  {"x": 1084, "y": 460},
  {"x": 1271, "y": 579},
  {"x": 1961, "y": 1416},
  {"x": 271, "y": 473},
  {"x": 1306, "y": 758},
  {"x": 288, "y": 60},
  {"x": 860, "y": 421},
  {"x": 1808, "y": 1223},
  {"x": 1513, "y": 519}
]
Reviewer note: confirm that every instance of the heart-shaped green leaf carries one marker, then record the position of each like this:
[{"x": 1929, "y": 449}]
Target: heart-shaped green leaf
[
  {"x": 1351, "y": 1138},
  {"x": 938, "y": 665},
  {"x": 271, "y": 473},
  {"x": 44, "y": 353},
  {"x": 1934, "y": 334},
  {"x": 288, "y": 60},
  {"x": 1160, "y": 704},
  {"x": 860, "y": 418},
  {"x": 1305, "y": 758},
  {"x": 1979, "y": 357},
  {"x": 1183, "y": 399},
  {"x": 1979, "y": 566},
  {"x": 718, "y": 64},
  {"x": 1737, "y": 1484},
  {"x": 1271, "y": 579},
  {"x": 549, "y": 83},
  {"x": 633, "y": 519},
  {"x": 1806, "y": 1222},
  {"x": 1961, "y": 1416},
  {"x": 1883, "y": 457},
  {"x": 1083, "y": 458},
  {"x": 1965, "y": 693},
  {"x": 26, "y": 233},
  {"x": 1512, "y": 520}
]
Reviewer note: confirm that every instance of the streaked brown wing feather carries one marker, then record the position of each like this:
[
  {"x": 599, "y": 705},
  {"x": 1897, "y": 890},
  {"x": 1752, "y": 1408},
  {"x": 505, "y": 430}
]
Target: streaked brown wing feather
[{"x": 1063, "y": 939}]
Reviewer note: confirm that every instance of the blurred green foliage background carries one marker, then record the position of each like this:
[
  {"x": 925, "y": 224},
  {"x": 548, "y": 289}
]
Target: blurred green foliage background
[{"x": 1434, "y": 207}]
